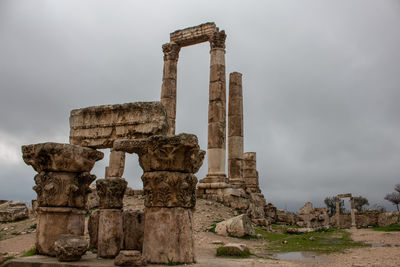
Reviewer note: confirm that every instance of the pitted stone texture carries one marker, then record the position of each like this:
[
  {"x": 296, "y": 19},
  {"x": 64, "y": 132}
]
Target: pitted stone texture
[
  {"x": 11, "y": 211},
  {"x": 180, "y": 153},
  {"x": 70, "y": 247},
  {"x": 194, "y": 35},
  {"x": 63, "y": 189},
  {"x": 133, "y": 224},
  {"x": 100, "y": 126},
  {"x": 93, "y": 229},
  {"x": 169, "y": 189},
  {"x": 238, "y": 226},
  {"x": 53, "y": 222},
  {"x": 129, "y": 258},
  {"x": 168, "y": 235},
  {"x": 60, "y": 157},
  {"x": 110, "y": 235},
  {"x": 111, "y": 192}
]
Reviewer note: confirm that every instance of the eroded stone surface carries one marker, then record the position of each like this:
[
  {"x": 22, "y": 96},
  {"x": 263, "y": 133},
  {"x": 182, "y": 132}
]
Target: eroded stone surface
[
  {"x": 133, "y": 225},
  {"x": 11, "y": 211},
  {"x": 110, "y": 235},
  {"x": 93, "y": 229},
  {"x": 70, "y": 247},
  {"x": 63, "y": 189},
  {"x": 129, "y": 258},
  {"x": 238, "y": 226},
  {"x": 60, "y": 157},
  {"x": 53, "y": 222},
  {"x": 111, "y": 192},
  {"x": 179, "y": 153},
  {"x": 169, "y": 189},
  {"x": 100, "y": 126},
  {"x": 170, "y": 240}
]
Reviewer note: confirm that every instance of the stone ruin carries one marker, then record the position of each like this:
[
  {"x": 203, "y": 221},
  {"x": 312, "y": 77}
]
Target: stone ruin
[{"x": 164, "y": 231}]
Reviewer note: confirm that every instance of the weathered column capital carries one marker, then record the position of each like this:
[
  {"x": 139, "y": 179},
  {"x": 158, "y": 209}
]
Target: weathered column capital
[
  {"x": 171, "y": 51},
  {"x": 111, "y": 192},
  {"x": 217, "y": 40}
]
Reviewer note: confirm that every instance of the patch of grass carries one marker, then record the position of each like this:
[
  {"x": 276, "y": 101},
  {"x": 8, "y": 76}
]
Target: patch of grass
[
  {"x": 33, "y": 226},
  {"x": 172, "y": 263},
  {"x": 232, "y": 252},
  {"x": 29, "y": 253},
  {"x": 390, "y": 228},
  {"x": 321, "y": 241}
]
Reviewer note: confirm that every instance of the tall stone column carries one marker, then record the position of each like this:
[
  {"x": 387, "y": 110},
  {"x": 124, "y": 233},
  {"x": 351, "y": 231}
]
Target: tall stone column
[
  {"x": 169, "y": 185},
  {"x": 352, "y": 213},
  {"x": 110, "y": 229},
  {"x": 116, "y": 164},
  {"x": 168, "y": 88},
  {"x": 235, "y": 130},
  {"x": 216, "y": 150},
  {"x": 338, "y": 212},
  {"x": 62, "y": 186}
]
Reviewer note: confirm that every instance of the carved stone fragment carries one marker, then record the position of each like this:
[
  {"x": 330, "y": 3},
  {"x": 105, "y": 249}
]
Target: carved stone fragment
[
  {"x": 179, "y": 153},
  {"x": 58, "y": 157},
  {"x": 111, "y": 192},
  {"x": 63, "y": 189},
  {"x": 169, "y": 189}
]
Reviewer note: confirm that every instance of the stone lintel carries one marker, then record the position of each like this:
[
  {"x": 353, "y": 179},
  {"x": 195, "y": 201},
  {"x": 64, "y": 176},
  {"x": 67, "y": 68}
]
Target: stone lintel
[
  {"x": 344, "y": 195},
  {"x": 194, "y": 35}
]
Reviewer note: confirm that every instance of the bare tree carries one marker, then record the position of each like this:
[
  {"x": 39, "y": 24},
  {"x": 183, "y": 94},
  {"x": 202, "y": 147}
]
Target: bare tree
[
  {"x": 394, "y": 198},
  {"x": 397, "y": 188},
  {"x": 359, "y": 202}
]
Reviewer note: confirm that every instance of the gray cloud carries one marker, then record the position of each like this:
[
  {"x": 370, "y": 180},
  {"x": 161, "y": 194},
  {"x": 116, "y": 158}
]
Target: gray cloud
[{"x": 321, "y": 84}]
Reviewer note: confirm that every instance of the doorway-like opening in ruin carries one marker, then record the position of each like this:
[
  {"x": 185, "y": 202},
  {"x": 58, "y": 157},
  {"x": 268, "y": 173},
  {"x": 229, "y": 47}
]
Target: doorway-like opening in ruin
[
  {"x": 193, "y": 94},
  {"x": 133, "y": 172}
]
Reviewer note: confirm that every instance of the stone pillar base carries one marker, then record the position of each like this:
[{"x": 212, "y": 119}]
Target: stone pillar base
[
  {"x": 215, "y": 178},
  {"x": 53, "y": 222},
  {"x": 237, "y": 183},
  {"x": 168, "y": 235},
  {"x": 110, "y": 235}
]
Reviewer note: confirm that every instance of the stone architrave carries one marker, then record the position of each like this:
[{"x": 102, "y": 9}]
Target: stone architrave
[
  {"x": 168, "y": 88},
  {"x": 169, "y": 164},
  {"x": 100, "y": 126},
  {"x": 235, "y": 130},
  {"x": 62, "y": 187},
  {"x": 116, "y": 165},
  {"x": 110, "y": 228}
]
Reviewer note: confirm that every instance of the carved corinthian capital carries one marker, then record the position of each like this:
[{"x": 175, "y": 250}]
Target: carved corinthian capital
[
  {"x": 217, "y": 40},
  {"x": 171, "y": 51}
]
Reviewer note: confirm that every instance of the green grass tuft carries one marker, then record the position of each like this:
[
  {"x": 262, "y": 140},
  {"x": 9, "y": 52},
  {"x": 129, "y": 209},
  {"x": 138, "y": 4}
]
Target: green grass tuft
[
  {"x": 329, "y": 241},
  {"x": 231, "y": 252},
  {"x": 29, "y": 253},
  {"x": 390, "y": 228},
  {"x": 172, "y": 263}
]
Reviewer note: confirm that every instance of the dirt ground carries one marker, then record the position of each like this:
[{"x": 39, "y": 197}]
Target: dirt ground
[{"x": 18, "y": 237}]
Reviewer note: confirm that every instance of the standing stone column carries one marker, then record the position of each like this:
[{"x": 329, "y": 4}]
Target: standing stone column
[
  {"x": 62, "y": 186},
  {"x": 110, "y": 230},
  {"x": 338, "y": 212},
  {"x": 216, "y": 150},
  {"x": 169, "y": 185},
  {"x": 235, "y": 131},
  {"x": 352, "y": 212},
  {"x": 116, "y": 164},
  {"x": 168, "y": 88}
]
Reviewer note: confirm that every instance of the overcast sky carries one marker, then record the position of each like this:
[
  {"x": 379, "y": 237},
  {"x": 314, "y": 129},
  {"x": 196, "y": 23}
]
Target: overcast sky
[{"x": 321, "y": 85}]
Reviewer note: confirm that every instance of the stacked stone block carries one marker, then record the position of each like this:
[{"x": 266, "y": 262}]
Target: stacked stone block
[
  {"x": 62, "y": 185},
  {"x": 169, "y": 185},
  {"x": 110, "y": 228},
  {"x": 250, "y": 172}
]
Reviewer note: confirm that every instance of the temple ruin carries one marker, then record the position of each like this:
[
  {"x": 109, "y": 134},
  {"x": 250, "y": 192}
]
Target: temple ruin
[{"x": 169, "y": 162}]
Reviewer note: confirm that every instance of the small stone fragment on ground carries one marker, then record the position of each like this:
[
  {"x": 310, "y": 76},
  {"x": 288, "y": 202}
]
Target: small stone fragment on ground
[
  {"x": 11, "y": 211},
  {"x": 233, "y": 249},
  {"x": 70, "y": 247},
  {"x": 238, "y": 226},
  {"x": 129, "y": 258}
]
